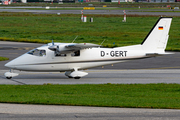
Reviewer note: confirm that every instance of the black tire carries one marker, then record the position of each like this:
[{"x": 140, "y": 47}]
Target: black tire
[
  {"x": 77, "y": 77},
  {"x": 8, "y": 77}
]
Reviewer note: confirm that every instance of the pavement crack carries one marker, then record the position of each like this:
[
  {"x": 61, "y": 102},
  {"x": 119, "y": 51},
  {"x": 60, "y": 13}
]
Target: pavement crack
[
  {"x": 76, "y": 116},
  {"x": 14, "y": 80},
  {"x": 17, "y": 81}
]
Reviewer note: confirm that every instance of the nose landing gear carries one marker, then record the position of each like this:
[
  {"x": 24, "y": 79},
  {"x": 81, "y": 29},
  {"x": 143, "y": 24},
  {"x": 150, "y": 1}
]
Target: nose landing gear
[{"x": 10, "y": 74}]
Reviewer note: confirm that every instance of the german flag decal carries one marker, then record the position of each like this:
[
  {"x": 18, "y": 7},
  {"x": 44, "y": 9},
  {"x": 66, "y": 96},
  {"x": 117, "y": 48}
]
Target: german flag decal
[{"x": 160, "y": 27}]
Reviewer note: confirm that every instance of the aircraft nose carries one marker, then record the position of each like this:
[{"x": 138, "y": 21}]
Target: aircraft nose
[
  {"x": 7, "y": 64},
  {"x": 10, "y": 64},
  {"x": 17, "y": 62}
]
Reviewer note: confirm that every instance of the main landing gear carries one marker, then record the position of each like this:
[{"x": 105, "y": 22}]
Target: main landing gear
[{"x": 75, "y": 74}]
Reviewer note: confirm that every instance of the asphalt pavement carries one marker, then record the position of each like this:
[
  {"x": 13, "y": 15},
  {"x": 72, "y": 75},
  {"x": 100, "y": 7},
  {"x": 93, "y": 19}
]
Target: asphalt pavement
[
  {"x": 116, "y": 12},
  {"x": 141, "y": 76},
  {"x": 56, "y": 112}
]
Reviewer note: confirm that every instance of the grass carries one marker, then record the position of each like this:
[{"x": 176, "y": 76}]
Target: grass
[
  {"x": 3, "y": 58},
  {"x": 44, "y": 28},
  {"x": 110, "y": 95}
]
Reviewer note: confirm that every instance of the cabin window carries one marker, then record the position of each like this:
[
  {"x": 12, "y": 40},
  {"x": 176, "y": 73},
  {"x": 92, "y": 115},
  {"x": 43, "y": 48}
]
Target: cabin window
[
  {"x": 37, "y": 52},
  {"x": 76, "y": 53},
  {"x": 60, "y": 55}
]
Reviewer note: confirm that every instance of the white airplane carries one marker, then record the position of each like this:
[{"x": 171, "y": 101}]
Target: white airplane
[{"x": 73, "y": 57}]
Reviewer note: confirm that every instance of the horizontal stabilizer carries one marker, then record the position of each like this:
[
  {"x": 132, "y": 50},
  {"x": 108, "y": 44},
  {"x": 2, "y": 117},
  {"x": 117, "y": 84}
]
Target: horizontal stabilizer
[{"x": 158, "y": 54}]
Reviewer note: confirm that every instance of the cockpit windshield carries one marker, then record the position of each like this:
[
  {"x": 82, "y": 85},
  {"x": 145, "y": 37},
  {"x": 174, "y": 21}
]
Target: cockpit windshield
[{"x": 37, "y": 52}]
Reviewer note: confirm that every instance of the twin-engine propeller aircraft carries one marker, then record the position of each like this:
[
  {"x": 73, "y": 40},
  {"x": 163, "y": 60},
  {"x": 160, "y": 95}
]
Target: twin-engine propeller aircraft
[{"x": 73, "y": 57}]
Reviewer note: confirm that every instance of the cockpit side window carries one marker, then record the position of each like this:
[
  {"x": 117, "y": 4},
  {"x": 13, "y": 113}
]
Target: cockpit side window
[
  {"x": 60, "y": 55},
  {"x": 76, "y": 53},
  {"x": 42, "y": 53},
  {"x": 37, "y": 52}
]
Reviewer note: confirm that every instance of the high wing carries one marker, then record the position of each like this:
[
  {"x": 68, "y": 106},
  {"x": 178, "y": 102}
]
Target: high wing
[
  {"x": 70, "y": 47},
  {"x": 78, "y": 46}
]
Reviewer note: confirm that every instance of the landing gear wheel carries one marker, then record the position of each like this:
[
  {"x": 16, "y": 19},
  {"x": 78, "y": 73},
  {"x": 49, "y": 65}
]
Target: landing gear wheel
[
  {"x": 77, "y": 77},
  {"x": 8, "y": 77}
]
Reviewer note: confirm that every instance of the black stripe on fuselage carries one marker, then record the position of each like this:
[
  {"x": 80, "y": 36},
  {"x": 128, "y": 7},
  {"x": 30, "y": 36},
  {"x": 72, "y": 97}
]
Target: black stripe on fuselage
[{"x": 88, "y": 61}]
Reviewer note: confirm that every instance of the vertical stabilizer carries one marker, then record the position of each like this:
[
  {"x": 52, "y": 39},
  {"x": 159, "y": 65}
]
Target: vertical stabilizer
[{"x": 157, "y": 38}]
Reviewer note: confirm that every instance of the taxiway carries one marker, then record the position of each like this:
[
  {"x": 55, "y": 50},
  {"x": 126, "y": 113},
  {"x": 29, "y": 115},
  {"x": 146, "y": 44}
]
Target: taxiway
[
  {"x": 96, "y": 77},
  {"x": 116, "y": 12}
]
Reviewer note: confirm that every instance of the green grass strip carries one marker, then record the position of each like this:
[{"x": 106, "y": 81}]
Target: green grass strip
[
  {"x": 3, "y": 58},
  {"x": 109, "y": 95},
  {"x": 43, "y": 28}
]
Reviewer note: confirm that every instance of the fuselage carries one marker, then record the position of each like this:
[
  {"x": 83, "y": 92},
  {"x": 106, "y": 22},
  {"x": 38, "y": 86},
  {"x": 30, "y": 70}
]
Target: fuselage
[{"x": 43, "y": 59}]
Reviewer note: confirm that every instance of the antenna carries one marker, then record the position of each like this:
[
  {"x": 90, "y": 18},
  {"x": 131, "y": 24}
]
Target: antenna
[
  {"x": 102, "y": 42},
  {"x": 74, "y": 39}
]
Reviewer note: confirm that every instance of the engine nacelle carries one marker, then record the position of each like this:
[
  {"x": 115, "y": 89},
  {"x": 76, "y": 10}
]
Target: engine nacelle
[{"x": 59, "y": 49}]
